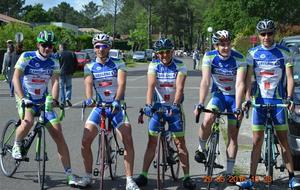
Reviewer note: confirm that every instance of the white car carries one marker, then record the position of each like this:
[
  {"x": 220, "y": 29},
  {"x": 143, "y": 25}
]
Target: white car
[
  {"x": 139, "y": 56},
  {"x": 116, "y": 53}
]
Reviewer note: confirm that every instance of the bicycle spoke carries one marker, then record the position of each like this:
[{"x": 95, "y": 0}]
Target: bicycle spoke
[
  {"x": 8, "y": 164},
  {"x": 41, "y": 156}
]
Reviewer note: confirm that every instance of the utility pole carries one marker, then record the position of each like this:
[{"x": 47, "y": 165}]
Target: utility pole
[
  {"x": 149, "y": 26},
  {"x": 115, "y": 20}
]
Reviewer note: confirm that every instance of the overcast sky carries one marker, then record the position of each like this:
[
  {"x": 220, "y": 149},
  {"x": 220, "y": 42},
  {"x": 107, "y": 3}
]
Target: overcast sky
[{"x": 76, "y": 4}]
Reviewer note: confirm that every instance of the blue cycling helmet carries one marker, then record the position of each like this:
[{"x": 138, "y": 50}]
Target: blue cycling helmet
[
  {"x": 265, "y": 25},
  {"x": 163, "y": 44}
]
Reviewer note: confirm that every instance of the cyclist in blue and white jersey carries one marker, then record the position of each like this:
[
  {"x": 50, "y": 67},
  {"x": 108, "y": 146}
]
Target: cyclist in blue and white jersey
[
  {"x": 33, "y": 71},
  {"x": 107, "y": 76},
  {"x": 166, "y": 80},
  {"x": 272, "y": 67},
  {"x": 224, "y": 66}
]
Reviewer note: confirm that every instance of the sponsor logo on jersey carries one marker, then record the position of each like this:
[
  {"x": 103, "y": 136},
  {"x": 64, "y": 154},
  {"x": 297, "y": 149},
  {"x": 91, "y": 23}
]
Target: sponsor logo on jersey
[
  {"x": 166, "y": 85},
  {"x": 166, "y": 75},
  {"x": 104, "y": 74},
  {"x": 35, "y": 80},
  {"x": 262, "y": 56},
  {"x": 262, "y": 63},
  {"x": 223, "y": 71},
  {"x": 266, "y": 73},
  {"x": 105, "y": 83},
  {"x": 40, "y": 71},
  {"x": 107, "y": 92},
  {"x": 221, "y": 79},
  {"x": 37, "y": 64}
]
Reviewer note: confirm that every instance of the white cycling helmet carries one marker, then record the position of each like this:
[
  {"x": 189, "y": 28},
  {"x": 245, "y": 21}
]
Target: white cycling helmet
[
  {"x": 265, "y": 25},
  {"x": 101, "y": 38},
  {"x": 220, "y": 36}
]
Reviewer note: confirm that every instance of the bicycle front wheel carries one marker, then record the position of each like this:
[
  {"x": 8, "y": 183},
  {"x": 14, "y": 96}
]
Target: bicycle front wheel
[
  {"x": 112, "y": 155},
  {"x": 269, "y": 153},
  {"x": 161, "y": 162},
  {"x": 41, "y": 156},
  {"x": 102, "y": 146},
  {"x": 211, "y": 155},
  {"x": 8, "y": 164},
  {"x": 173, "y": 159}
]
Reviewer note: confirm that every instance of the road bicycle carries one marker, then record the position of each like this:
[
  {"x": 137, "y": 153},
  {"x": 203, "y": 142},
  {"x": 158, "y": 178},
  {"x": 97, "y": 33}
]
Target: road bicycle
[
  {"x": 167, "y": 155},
  {"x": 270, "y": 151},
  {"x": 108, "y": 146},
  {"x": 212, "y": 145},
  {"x": 9, "y": 165}
]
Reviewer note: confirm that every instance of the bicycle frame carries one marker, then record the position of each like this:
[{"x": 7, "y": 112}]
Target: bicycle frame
[
  {"x": 105, "y": 150},
  {"x": 212, "y": 145},
  {"x": 271, "y": 152},
  {"x": 164, "y": 150}
]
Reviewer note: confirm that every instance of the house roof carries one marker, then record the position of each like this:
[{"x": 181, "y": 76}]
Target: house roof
[
  {"x": 91, "y": 30},
  {"x": 9, "y": 19}
]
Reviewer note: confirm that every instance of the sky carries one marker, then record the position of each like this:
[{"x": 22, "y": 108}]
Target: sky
[{"x": 76, "y": 4}]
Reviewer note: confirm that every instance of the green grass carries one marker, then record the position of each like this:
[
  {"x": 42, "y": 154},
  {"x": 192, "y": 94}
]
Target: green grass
[
  {"x": 2, "y": 77},
  {"x": 78, "y": 74}
]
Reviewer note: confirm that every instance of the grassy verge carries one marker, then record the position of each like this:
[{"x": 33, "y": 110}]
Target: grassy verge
[
  {"x": 2, "y": 77},
  {"x": 78, "y": 74}
]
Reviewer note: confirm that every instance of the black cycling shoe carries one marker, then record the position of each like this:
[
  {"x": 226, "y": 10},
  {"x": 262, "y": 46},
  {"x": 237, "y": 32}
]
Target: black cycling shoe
[
  {"x": 200, "y": 157},
  {"x": 141, "y": 181},
  {"x": 189, "y": 183}
]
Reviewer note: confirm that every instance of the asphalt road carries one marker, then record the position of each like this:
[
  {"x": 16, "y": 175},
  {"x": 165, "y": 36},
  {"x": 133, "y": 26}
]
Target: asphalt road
[{"x": 24, "y": 178}]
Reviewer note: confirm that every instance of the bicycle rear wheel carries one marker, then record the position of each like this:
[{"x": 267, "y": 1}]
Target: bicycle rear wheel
[
  {"x": 211, "y": 156},
  {"x": 41, "y": 156},
  {"x": 8, "y": 164},
  {"x": 102, "y": 146},
  {"x": 173, "y": 161},
  {"x": 269, "y": 150},
  {"x": 161, "y": 162},
  {"x": 112, "y": 154}
]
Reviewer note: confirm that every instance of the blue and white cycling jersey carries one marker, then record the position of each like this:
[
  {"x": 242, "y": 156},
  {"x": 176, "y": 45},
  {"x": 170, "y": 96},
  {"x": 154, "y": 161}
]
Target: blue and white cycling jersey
[
  {"x": 224, "y": 70},
  {"x": 37, "y": 72},
  {"x": 269, "y": 66},
  {"x": 105, "y": 77},
  {"x": 165, "y": 88}
]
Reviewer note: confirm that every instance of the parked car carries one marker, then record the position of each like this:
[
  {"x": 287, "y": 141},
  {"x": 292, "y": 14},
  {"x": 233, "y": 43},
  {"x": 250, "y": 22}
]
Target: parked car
[
  {"x": 116, "y": 53},
  {"x": 91, "y": 53},
  {"x": 139, "y": 56},
  {"x": 149, "y": 54},
  {"x": 292, "y": 42},
  {"x": 82, "y": 59},
  {"x": 294, "y": 121}
]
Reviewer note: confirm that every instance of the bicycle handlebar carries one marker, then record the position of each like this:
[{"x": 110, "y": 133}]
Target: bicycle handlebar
[
  {"x": 217, "y": 113},
  {"x": 42, "y": 106},
  {"x": 101, "y": 105}
]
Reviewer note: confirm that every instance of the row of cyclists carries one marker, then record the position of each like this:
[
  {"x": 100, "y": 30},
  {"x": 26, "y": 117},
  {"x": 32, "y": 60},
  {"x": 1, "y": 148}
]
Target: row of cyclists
[{"x": 230, "y": 72}]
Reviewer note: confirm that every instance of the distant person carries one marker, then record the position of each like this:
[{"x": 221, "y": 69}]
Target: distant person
[
  {"x": 196, "y": 58},
  {"x": 68, "y": 63},
  {"x": 9, "y": 61}
]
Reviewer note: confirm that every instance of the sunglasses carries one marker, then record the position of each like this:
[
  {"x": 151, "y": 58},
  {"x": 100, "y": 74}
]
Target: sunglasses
[
  {"x": 50, "y": 46},
  {"x": 267, "y": 33},
  {"x": 164, "y": 52},
  {"x": 104, "y": 46}
]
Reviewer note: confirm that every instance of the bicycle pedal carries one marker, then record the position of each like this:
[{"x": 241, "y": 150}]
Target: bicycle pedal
[
  {"x": 218, "y": 166},
  {"x": 154, "y": 164},
  {"x": 96, "y": 172},
  {"x": 121, "y": 151},
  {"x": 25, "y": 159}
]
